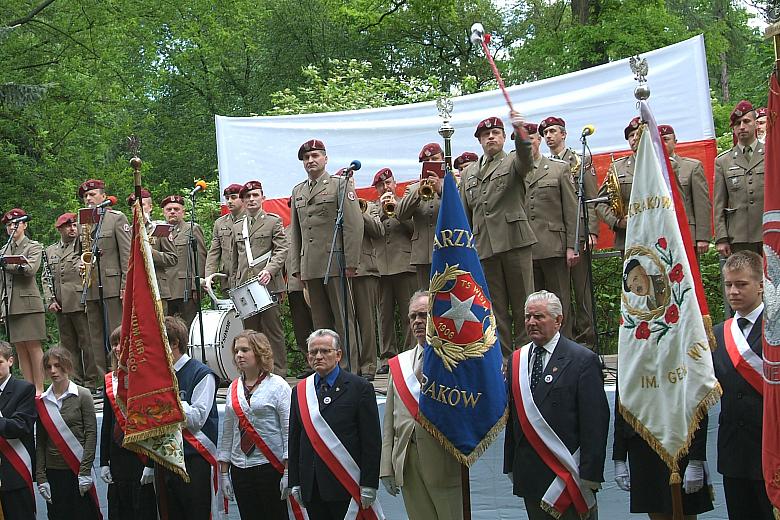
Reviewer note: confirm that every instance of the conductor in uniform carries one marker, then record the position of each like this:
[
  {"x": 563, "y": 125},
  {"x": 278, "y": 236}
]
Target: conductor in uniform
[
  {"x": 315, "y": 205},
  {"x": 221, "y": 249},
  {"x": 492, "y": 191},
  {"x": 738, "y": 197},
  {"x": 259, "y": 252}
]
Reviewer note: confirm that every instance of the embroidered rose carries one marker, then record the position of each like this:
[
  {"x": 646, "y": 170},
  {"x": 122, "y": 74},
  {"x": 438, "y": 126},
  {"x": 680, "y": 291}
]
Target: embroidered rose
[
  {"x": 672, "y": 314},
  {"x": 662, "y": 243},
  {"x": 676, "y": 274},
  {"x": 642, "y": 331}
]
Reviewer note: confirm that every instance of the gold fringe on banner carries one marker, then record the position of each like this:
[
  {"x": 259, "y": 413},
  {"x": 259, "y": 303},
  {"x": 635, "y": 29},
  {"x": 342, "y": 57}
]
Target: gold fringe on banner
[
  {"x": 483, "y": 445},
  {"x": 710, "y": 334}
]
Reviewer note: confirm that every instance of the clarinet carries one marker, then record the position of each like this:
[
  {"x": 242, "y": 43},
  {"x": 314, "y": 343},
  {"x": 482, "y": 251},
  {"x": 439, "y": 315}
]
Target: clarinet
[{"x": 47, "y": 275}]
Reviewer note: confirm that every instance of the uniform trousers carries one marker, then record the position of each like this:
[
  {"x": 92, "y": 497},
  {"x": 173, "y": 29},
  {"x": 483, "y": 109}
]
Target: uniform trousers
[
  {"x": 423, "y": 276},
  {"x": 129, "y": 500},
  {"x": 510, "y": 279},
  {"x": 94, "y": 376},
  {"x": 395, "y": 291},
  {"x": 18, "y": 504},
  {"x": 327, "y": 309},
  {"x": 365, "y": 291},
  {"x": 301, "y": 318},
  {"x": 319, "y": 509},
  {"x": 535, "y": 512},
  {"x": 186, "y": 311},
  {"x": 269, "y": 322},
  {"x": 424, "y": 501},
  {"x": 582, "y": 305},
  {"x": 552, "y": 274},
  {"x": 746, "y": 499},
  {"x": 74, "y": 337},
  {"x": 181, "y": 500},
  {"x": 257, "y": 492},
  {"x": 66, "y": 502}
]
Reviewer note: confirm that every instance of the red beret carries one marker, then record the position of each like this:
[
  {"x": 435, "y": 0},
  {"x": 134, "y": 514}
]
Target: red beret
[
  {"x": 308, "y": 146},
  {"x": 632, "y": 125},
  {"x": 531, "y": 128},
  {"x": 430, "y": 149},
  {"x": 487, "y": 124},
  {"x": 66, "y": 218},
  {"x": 551, "y": 121},
  {"x": 742, "y": 108},
  {"x": 91, "y": 184},
  {"x": 761, "y": 112},
  {"x": 177, "y": 199},
  {"x": 382, "y": 175},
  {"x": 665, "y": 130},
  {"x": 145, "y": 194},
  {"x": 465, "y": 157},
  {"x": 14, "y": 213},
  {"x": 249, "y": 186},
  {"x": 233, "y": 188}
]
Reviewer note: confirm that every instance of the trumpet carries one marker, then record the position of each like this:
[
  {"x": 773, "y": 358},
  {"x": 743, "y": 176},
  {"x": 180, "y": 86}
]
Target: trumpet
[
  {"x": 389, "y": 208},
  {"x": 612, "y": 185},
  {"x": 87, "y": 259},
  {"x": 426, "y": 189}
]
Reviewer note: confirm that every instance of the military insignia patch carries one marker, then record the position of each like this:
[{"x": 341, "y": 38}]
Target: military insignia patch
[{"x": 351, "y": 195}]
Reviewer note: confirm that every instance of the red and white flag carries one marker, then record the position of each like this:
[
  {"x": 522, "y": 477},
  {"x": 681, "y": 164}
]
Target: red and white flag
[{"x": 665, "y": 375}]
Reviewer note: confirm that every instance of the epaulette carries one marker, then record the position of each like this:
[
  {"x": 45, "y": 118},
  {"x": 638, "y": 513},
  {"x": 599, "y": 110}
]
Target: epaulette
[
  {"x": 115, "y": 211},
  {"x": 725, "y": 152},
  {"x": 240, "y": 219},
  {"x": 273, "y": 215},
  {"x": 553, "y": 159}
]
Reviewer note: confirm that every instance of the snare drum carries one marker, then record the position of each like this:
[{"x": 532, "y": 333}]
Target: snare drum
[
  {"x": 251, "y": 298},
  {"x": 219, "y": 329}
]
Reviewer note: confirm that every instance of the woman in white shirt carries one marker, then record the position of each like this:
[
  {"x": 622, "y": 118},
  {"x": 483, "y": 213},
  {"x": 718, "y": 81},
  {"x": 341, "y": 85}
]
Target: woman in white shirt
[{"x": 253, "y": 442}]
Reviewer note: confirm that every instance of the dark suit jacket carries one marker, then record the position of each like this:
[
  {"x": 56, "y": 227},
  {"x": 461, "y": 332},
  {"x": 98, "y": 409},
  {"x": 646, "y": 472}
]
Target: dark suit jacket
[
  {"x": 125, "y": 465},
  {"x": 17, "y": 404},
  {"x": 575, "y": 406},
  {"x": 354, "y": 418},
  {"x": 741, "y": 412}
]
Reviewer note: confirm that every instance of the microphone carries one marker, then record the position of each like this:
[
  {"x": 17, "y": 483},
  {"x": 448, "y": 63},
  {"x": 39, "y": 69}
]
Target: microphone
[
  {"x": 17, "y": 220},
  {"x": 199, "y": 186},
  {"x": 588, "y": 130},
  {"x": 353, "y": 167},
  {"x": 110, "y": 201}
]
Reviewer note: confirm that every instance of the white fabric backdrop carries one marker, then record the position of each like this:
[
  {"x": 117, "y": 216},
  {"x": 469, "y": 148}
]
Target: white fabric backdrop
[{"x": 265, "y": 148}]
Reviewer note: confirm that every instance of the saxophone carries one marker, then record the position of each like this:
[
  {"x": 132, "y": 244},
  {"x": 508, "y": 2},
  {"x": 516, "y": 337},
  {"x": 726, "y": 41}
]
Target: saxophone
[
  {"x": 612, "y": 185},
  {"x": 87, "y": 259}
]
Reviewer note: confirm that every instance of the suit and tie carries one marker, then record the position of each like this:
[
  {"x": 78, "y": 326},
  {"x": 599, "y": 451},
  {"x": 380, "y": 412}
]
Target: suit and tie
[
  {"x": 17, "y": 405},
  {"x": 349, "y": 407},
  {"x": 740, "y": 430},
  {"x": 570, "y": 396}
]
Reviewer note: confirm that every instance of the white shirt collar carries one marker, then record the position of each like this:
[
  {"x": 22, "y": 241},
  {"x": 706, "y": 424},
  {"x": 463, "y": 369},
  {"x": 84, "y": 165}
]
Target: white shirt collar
[
  {"x": 181, "y": 362},
  {"x": 49, "y": 394},
  {"x": 4, "y": 383},
  {"x": 549, "y": 347},
  {"x": 753, "y": 315}
]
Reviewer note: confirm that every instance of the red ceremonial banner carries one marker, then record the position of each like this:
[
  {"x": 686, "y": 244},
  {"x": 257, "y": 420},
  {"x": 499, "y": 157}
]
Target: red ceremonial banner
[{"x": 771, "y": 235}]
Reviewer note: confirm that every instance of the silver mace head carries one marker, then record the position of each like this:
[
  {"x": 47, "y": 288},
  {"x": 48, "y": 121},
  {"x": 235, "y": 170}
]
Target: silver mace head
[{"x": 477, "y": 34}]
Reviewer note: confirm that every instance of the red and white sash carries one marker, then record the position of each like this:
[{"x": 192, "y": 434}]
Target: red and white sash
[
  {"x": 566, "y": 489},
  {"x": 405, "y": 381},
  {"x": 121, "y": 419},
  {"x": 330, "y": 449},
  {"x": 749, "y": 364},
  {"x": 208, "y": 451},
  {"x": 67, "y": 444},
  {"x": 17, "y": 455},
  {"x": 241, "y": 408}
]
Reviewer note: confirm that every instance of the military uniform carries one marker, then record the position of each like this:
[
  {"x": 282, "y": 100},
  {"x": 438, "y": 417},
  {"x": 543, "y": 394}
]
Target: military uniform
[
  {"x": 300, "y": 313},
  {"x": 313, "y": 217},
  {"x": 221, "y": 250},
  {"x": 114, "y": 247},
  {"x": 738, "y": 198},
  {"x": 492, "y": 192},
  {"x": 71, "y": 319},
  {"x": 397, "y": 281},
  {"x": 423, "y": 215},
  {"x": 25, "y": 313},
  {"x": 696, "y": 195},
  {"x": 582, "y": 305},
  {"x": 177, "y": 275},
  {"x": 552, "y": 212},
  {"x": 163, "y": 257},
  {"x": 625, "y": 173},
  {"x": 266, "y": 235}
]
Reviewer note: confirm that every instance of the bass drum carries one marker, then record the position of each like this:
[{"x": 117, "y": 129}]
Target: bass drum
[{"x": 219, "y": 329}]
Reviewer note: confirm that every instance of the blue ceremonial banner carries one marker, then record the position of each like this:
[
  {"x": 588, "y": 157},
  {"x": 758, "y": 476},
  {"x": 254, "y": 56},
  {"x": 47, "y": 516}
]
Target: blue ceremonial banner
[{"x": 463, "y": 398}]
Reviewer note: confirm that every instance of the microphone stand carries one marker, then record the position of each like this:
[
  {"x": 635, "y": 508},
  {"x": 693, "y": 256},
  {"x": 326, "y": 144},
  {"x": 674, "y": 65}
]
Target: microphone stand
[
  {"x": 338, "y": 234},
  {"x": 6, "y": 297},
  {"x": 192, "y": 269},
  {"x": 101, "y": 296}
]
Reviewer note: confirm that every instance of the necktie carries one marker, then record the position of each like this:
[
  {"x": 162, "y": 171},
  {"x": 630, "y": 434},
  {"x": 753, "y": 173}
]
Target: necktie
[
  {"x": 247, "y": 444},
  {"x": 538, "y": 367},
  {"x": 311, "y": 184},
  {"x": 486, "y": 164},
  {"x": 743, "y": 324},
  {"x": 748, "y": 153},
  {"x": 251, "y": 222}
]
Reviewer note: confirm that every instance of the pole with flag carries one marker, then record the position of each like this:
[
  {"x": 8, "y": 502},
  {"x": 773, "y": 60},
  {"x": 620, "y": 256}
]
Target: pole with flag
[
  {"x": 666, "y": 380},
  {"x": 771, "y": 333}
]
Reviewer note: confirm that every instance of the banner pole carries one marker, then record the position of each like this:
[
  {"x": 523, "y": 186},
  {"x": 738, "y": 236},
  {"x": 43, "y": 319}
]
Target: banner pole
[
  {"x": 466, "y": 491},
  {"x": 677, "y": 505}
]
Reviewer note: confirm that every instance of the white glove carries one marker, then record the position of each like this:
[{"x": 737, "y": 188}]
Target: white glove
[
  {"x": 693, "y": 480},
  {"x": 511, "y": 477},
  {"x": 227, "y": 486},
  {"x": 147, "y": 477},
  {"x": 105, "y": 474},
  {"x": 284, "y": 486},
  {"x": 45, "y": 491},
  {"x": 390, "y": 485},
  {"x": 622, "y": 477},
  {"x": 208, "y": 281},
  {"x": 85, "y": 483},
  {"x": 297, "y": 494},
  {"x": 367, "y": 497}
]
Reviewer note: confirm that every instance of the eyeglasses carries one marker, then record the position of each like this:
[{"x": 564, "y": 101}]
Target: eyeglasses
[
  {"x": 421, "y": 315},
  {"x": 321, "y": 351}
]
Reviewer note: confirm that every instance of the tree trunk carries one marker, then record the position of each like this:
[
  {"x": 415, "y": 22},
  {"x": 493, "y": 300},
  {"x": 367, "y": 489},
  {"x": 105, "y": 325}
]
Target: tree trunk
[{"x": 724, "y": 77}]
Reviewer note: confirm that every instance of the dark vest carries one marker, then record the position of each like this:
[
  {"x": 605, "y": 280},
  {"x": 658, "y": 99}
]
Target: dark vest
[{"x": 189, "y": 376}]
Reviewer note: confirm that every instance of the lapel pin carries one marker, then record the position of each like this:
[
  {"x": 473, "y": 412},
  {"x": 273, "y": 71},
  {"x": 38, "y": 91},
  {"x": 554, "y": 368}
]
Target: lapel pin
[
  {"x": 327, "y": 400},
  {"x": 337, "y": 389},
  {"x": 555, "y": 369},
  {"x": 547, "y": 379}
]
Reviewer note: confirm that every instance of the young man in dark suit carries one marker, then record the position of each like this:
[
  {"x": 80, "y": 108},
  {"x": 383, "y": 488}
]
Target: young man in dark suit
[
  {"x": 17, "y": 407},
  {"x": 741, "y": 408},
  {"x": 565, "y": 381},
  {"x": 348, "y": 404}
]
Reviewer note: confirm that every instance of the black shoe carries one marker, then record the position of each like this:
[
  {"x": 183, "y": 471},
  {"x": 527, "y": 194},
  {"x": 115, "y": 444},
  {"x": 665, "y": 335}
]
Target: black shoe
[
  {"x": 306, "y": 373},
  {"x": 384, "y": 369}
]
